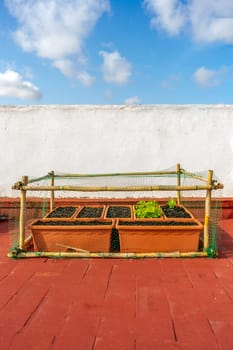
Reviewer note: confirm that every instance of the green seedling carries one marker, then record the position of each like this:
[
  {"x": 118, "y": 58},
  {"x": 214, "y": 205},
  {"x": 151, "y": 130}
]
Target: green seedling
[{"x": 171, "y": 203}]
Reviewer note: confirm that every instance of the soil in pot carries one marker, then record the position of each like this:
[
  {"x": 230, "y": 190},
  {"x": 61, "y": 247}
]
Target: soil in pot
[
  {"x": 176, "y": 212},
  {"x": 157, "y": 223},
  {"x": 118, "y": 212},
  {"x": 62, "y": 212},
  {"x": 90, "y": 212},
  {"x": 72, "y": 223}
]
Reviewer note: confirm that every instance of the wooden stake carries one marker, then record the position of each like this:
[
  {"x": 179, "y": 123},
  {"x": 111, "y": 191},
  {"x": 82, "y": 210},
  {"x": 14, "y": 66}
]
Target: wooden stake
[
  {"x": 178, "y": 183},
  {"x": 51, "y": 192},
  {"x": 207, "y": 210},
  {"x": 22, "y": 214}
]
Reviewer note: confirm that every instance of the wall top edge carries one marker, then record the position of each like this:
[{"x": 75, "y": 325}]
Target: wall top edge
[{"x": 116, "y": 107}]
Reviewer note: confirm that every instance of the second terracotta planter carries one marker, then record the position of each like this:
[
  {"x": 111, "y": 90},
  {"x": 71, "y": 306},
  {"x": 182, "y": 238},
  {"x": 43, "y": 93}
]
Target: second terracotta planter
[{"x": 149, "y": 238}]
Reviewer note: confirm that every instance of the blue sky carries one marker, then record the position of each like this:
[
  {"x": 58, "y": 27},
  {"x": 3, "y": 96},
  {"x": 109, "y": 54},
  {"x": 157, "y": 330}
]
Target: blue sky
[{"x": 116, "y": 51}]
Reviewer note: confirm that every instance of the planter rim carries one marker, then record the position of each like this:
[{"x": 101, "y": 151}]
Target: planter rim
[
  {"x": 198, "y": 226},
  {"x": 33, "y": 225}
]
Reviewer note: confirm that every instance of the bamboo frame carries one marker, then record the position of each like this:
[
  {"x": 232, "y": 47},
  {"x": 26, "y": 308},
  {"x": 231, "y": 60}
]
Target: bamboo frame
[
  {"x": 207, "y": 210},
  {"x": 178, "y": 184},
  {"x": 22, "y": 213},
  {"x": 51, "y": 192},
  {"x": 194, "y": 176},
  {"x": 39, "y": 179},
  {"x": 152, "y": 173},
  {"x": 118, "y": 174},
  {"x": 120, "y": 188},
  {"x": 105, "y": 255},
  {"x": 23, "y": 187}
]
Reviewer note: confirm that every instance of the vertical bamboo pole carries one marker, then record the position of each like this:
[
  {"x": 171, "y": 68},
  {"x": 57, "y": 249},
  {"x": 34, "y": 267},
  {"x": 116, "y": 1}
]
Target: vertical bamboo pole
[
  {"x": 22, "y": 214},
  {"x": 207, "y": 210},
  {"x": 51, "y": 192},
  {"x": 178, "y": 183}
]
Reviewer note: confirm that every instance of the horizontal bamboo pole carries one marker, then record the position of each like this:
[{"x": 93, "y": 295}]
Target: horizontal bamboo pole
[
  {"x": 120, "y": 188},
  {"x": 153, "y": 173},
  {"x": 45, "y": 177},
  {"x": 193, "y": 176},
  {"x": 183, "y": 172},
  {"x": 117, "y": 174},
  {"x": 106, "y": 255}
]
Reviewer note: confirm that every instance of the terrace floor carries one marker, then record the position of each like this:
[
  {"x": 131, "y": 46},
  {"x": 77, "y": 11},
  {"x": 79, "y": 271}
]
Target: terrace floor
[{"x": 113, "y": 304}]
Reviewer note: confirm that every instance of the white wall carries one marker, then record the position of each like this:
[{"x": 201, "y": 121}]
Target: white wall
[{"x": 97, "y": 139}]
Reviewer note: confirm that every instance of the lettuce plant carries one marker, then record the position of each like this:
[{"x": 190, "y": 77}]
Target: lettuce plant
[{"x": 147, "y": 209}]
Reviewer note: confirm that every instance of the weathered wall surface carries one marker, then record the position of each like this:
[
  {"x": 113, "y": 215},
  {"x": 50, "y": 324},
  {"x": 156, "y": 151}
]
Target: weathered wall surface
[{"x": 98, "y": 139}]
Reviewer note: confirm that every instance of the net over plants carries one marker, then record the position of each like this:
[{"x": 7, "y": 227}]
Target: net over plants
[{"x": 64, "y": 206}]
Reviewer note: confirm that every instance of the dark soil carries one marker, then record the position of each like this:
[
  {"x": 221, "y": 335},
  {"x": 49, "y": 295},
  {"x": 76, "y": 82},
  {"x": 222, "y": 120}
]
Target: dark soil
[
  {"x": 62, "y": 212},
  {"x": 176, "y": 212},
  {"x": 118, "y": 212},
  {"x": 72, "y": 223},
  {"x": 90, "y": 212},
  {"x": 157, "y": 223},
  {"x": 115, "y": 243}
]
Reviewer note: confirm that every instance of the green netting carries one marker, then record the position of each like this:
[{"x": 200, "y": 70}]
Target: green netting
[{"x": 118, "y": 189}]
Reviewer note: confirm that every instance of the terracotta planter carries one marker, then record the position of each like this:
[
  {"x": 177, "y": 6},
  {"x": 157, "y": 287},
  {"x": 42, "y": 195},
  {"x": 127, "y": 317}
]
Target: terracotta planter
[
  {"x": 150, "y": 238},
  {"x": 118, "y": 211},
  {"x": 52, "y": 238},
  {"x": 91, "y": 211}
]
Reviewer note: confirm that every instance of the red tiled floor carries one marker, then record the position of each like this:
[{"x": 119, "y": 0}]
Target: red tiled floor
[{"x": 111, "y": 304}]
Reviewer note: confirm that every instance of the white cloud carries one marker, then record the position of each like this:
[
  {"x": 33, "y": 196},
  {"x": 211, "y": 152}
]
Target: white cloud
[
  {"x": 134, "y": 100},
  {"x": 68, "y": 68},
  {"x": 207, "y": 21},
  {"x": 167, "y": 14},
  {"x": 212, "y": 20},
  {"x": 205, "y": 77},
  {"x": 13, "y": 85},
  {"x": 56, "y": 29},
  {"x": 85, "y": 78},
  {"x": 116, "y": 69}
]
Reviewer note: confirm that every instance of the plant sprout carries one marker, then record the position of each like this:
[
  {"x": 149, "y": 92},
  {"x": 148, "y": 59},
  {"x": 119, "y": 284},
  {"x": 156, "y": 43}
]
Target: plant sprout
[{"x": 171, "y": 203}]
